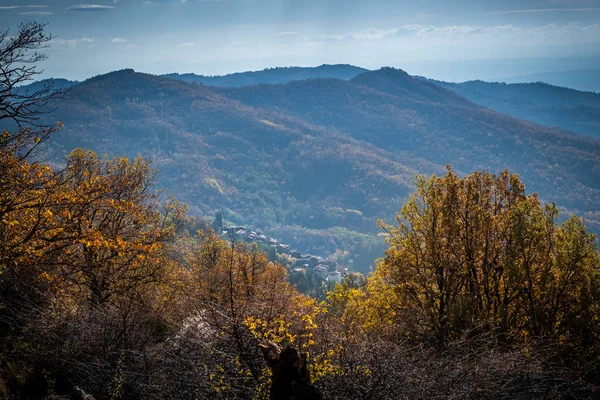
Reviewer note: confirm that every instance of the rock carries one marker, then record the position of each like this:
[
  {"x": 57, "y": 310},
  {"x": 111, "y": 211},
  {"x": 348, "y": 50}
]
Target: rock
[
  {"x": 291, "y": 378},
  {"x": 79, "y": 394}
]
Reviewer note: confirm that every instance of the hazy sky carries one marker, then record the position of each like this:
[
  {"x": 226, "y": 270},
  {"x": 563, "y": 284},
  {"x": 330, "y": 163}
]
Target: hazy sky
[{"x": 437, "y": 38}]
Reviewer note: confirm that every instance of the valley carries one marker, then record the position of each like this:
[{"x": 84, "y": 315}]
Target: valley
[{"x": 315, "y": 163}]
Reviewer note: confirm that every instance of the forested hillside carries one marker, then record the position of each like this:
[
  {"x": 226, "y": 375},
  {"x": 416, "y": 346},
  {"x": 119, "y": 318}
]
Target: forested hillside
[
  {"x": 584, "y": 79},
  {"x": 440, "y": 131},
  {"x": 273, "y": 75},
  {"x": 537, "y": 102},
  {"x": 305, "y": 157}
]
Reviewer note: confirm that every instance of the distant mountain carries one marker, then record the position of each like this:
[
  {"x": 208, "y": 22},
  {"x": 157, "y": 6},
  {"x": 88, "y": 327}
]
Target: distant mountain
[
  {"x": 56, "y": 83},
  {"x": 400, "y": 84},
  {"x": 273, "y": 75},
  {"x": 586, "y": 80},
  {"x": 446, "y": 131},
  {"x": 536, "y": 102},
  {"x": 316, "y": 162}
]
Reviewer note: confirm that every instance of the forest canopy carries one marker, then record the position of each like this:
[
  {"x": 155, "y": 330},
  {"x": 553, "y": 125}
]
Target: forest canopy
[{"x": 105, "y": 288}]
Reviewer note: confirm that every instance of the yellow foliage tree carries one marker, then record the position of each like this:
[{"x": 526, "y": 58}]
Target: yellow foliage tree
[
  {"x": 477, "y": 254},
  {"x": 245, "y": 300},
  {"x": 110, "y": 234}
]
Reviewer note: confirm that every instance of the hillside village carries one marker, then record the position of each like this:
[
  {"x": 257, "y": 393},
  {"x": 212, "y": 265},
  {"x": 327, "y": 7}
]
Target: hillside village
[{"x": 327, "y": 271}]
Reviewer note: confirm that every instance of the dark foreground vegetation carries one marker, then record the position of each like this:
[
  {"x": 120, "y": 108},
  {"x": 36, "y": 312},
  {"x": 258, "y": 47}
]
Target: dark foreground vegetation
[
  {"x": 106, "y": 289},
  {"x": 481, "y": 295}
]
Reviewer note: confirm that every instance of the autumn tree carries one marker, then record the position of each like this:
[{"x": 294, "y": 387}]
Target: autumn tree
[
  {"x": 94, "y": 225},
  {"x": 482, "y": 293},
  {"x": 111, "y": 229},
  {"x": 478, "y": 254},
  {"x": 87, "y": 248},
  {"x": 22, "y": 184},
  {"x": 237, "y": 300}
]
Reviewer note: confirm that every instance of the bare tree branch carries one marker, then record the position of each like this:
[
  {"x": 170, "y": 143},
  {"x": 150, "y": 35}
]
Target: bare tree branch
[{"x": 19, "y": 58}]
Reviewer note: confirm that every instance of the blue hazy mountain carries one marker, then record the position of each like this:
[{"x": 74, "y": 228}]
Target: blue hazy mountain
[
  {"x": 541, "y": 103},
  {"x": 318, "y": 154},
  {"x": 273, "y": 75},
  {"x": 55, "y": 83},
  {"x": 585, "y": 80}
]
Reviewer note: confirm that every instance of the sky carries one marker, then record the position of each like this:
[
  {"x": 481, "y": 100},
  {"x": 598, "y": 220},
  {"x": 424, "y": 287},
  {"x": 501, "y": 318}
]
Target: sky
[{"x": 443, "y": 39}]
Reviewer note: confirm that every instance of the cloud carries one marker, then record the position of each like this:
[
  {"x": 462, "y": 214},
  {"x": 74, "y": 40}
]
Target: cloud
[
  {"x": 456, "y": 32},
  {"x": 286, "y": 34},
  {"x": 119, "y": 40},
  {"x": 90, "y": 7},
  {"x": 36, "y": 13},
  {"x": 444, "y": 37},
  {"x": 187, "y": 45},
  {"x": 414, "y": 30},
  {"x": 435, "y": 31},
  {"x": 72, "y": 43},
  {"x": 546, "y": 10},
  {"x": 177, "y": 1},
  {"x": 365, "y": 34},
  {"x": 373, "y": 34},
  {"x": 17, "y": 7}
]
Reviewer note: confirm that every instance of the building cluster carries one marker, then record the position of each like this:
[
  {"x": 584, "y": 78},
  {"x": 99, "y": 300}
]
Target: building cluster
[{"x": 330, "y": 271}]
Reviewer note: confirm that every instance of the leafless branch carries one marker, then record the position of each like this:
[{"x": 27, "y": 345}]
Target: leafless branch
[{"x": 20, "y": 56}]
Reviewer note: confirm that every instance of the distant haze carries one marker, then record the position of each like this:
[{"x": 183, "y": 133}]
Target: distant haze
[
  {"x": 442, "y": 39},
  {"x": 586, "y": 79}
]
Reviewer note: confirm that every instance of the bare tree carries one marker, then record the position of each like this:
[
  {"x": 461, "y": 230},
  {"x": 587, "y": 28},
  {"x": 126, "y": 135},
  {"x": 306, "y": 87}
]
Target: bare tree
[{"x": 19, "y": 58}]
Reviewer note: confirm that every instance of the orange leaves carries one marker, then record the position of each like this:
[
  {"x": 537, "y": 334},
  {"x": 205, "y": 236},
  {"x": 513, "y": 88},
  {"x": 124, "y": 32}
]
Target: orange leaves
[
  {"x": 246, "y": 299},
  {"x": 97, "y": 221}
]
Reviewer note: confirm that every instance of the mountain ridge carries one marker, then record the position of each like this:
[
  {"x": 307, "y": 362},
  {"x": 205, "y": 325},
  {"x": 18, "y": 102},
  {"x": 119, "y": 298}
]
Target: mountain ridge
[
  {"x": 541, "y": 103},
  {"x": 272, "y": 75},
  {"x": 583, "y": 79},
  {"x": 316, "y": 162}
]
